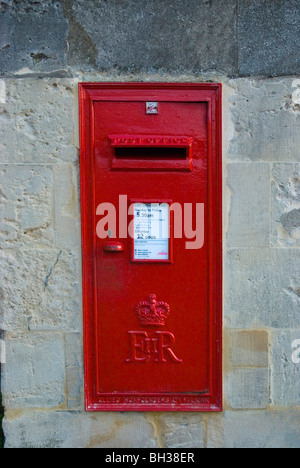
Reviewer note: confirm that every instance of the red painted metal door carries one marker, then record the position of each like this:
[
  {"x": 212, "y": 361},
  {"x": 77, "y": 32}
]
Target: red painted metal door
[{"x": 151, "y": 165}]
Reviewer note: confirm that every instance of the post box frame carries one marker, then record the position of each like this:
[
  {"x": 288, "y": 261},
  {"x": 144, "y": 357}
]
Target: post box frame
[{"x": 210, "y": 93}]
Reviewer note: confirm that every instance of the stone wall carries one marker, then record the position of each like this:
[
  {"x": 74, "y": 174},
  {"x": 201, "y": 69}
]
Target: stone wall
[{"x": 47, "y": 47}]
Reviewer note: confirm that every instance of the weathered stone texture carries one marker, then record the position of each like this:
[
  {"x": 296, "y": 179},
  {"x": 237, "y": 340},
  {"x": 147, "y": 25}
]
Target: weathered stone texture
[
  {"x": 286, "y": 205},
  {"x": 48, "y": 36},
  {"x": 67, "y": 206},
  {"x": 181, "y": 430},
  {"x": 33, "y": 376},
  {"x": 74, "y": 352},
  {"x": 60, "y": 37},
  {"x": 36, "y": 123},
  {"x": 247, "y": 369},
  {"x": 63, "y": 429},
  {"x": 262, "y": 288},
  {"x": 255, "y": 429},
  {"x": 74, "y": 387},
  {"x": 266, "y": 122},
  {"x": 248, "y": 388},
  {"x": 269, "y": 37},
  {"x": 26, "y": 206},
  {"x": 285, "y": 374},
  {"x": 39, "y": 290},
  {"x": 33, "y": 36},
  {"x": 74, "y": 369},
  {"x": 248, "y": 222},
  {"x": 247, "y": 348},
  {"x": 162, "y": 33}
]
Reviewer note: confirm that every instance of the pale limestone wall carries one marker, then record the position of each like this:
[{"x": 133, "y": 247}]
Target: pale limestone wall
[{"x": 40, "y": 283}]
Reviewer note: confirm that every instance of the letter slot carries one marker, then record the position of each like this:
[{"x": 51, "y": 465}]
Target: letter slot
[{"x": 151, "y": 152}]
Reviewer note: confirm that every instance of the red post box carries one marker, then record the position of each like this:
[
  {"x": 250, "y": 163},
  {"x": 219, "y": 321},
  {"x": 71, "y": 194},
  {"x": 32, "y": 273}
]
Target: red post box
[{"x": 150, "y": 163}]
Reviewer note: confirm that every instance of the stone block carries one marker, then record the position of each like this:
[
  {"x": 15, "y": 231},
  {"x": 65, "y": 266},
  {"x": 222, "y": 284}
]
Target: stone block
[
  {"x": 248, "y": 348},
  {"x": 285, "y": 374},
  {"x": 286, "y": 205},
  {"x": 248, "y": 221},
  {"x": 74, "y": 352},
  {"x": 262, "y": 288},
  {"x": 254, "y": 429},
  {"x": 74, "y": 369},
  {"x": 33, "y": 36},
  {"x": 47, "y": 37},
  {"x": 66, "y": 206},
  {"x": 33, "y": 376},
  {"x": 248, "y": 388},
  {"x": 74, "y": 384},
  {"x": 39, "y": 290},
  {"x": 182, "y": 35},
  {"x": 181, "y": 430},
  {"x": 66, "y": 429},
  {"x": 215, "y": 431},
  {"x": 26, "y": 205},
  {"x": 37, "y": 122},
  {"x": 266, "y": 121},
  {"x": 269, "y": 37}
]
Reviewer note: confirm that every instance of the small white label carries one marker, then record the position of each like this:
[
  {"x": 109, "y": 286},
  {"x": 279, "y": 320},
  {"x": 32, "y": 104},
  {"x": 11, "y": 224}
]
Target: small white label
[
  {"x": 2, "y": 352},
  {"x": 151, "y": 107},
  {"x": 151, "y": 231}
]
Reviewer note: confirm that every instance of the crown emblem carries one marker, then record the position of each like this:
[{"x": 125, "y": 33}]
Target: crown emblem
[{"x": 152, "y": 313}]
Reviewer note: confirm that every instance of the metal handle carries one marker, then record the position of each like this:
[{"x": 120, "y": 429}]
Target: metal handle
[{"x": 113, "y": 247}]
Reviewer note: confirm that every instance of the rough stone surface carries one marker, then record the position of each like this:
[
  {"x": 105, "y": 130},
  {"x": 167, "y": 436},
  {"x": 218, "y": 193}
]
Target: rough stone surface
[
  {"x": 36, "y": 123},
  {"x": 60, "y": 37},
  {"x": 269, "y": 37},
  {"x": 255, "y": 429},
  {"x": 39, "y": 290},
  {"x": 247, "y": 369},
  {"x": 74, "y": 351},
  {"x": 64, "y": 429},
  {"x": 266, "y": 120},
  {"x": 67, "y": 209},
  {"x": 33, "y": 36},
  {"x": 180, "y": 430},
  {"x": 262, "y": 288},
  {"x": 33, "y": 375},
  {"x": 74, "y": 369},
  {"x": 74, "y": 386},
  {"x": 248, "y": 388},
  {"x": 286, "y": 205},
  {"x": 248, "y": 223},
  {"x": 162, "y": 33},
  {"x": 285, "y": 374},
  {"x": 248, "y": 348},
  {"x": 26, "y": 206},
  {"x": 183, "y": 34}
]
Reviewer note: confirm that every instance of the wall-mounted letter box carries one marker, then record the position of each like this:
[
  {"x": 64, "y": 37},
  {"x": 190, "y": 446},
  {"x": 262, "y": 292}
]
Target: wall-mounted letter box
[{"x": 150, "y": 163}]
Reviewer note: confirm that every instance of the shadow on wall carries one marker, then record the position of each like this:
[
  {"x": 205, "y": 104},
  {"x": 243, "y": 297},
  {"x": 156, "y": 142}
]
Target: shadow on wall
[
  {"x": 1, "y": 416},
  {"x": 2, "y": 440}
]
